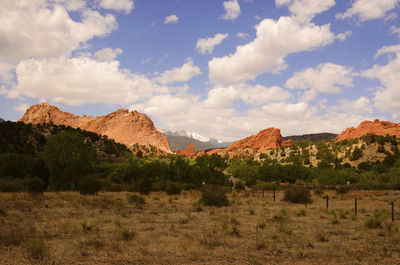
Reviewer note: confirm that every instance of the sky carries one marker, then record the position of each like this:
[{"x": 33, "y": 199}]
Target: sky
[{"x": 223, "y": 69}]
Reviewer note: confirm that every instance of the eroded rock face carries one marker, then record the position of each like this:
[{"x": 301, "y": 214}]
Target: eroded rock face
[
  {"x": 189, "y": 152},
  {"x": 376, "y": 127},
  {"x": 264, "y": 140},
  {"x": 123, "y": 126}
]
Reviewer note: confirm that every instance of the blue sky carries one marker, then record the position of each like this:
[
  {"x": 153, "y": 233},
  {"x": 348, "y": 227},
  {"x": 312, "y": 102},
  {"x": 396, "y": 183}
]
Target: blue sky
[{"x": 224, "y": 69}]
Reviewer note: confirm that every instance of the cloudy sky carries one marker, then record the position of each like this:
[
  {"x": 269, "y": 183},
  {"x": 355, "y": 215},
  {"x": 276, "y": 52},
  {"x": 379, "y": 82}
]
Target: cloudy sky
[{"x": 224, "y": 69}]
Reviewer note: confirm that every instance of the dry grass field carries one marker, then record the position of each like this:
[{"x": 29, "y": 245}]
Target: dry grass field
[{"x": 67, "y": 228}]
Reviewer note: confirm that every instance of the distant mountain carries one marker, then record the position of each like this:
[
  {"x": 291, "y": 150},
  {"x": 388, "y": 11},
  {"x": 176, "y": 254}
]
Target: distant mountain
[
  {"x": 180, "y": 139},
  {"x": 178, "y": 143},
  {"x": 315, "y": 137},
  {"x": 1, "y": 120}
]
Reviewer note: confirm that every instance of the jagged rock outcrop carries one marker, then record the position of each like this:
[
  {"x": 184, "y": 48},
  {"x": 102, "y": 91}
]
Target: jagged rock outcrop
[
  {"x": 122, "y": 125},
  {"x": 376, "y": 127},
  {"x": 189, "y": 152},
  {"x": 264, "y": 140}
]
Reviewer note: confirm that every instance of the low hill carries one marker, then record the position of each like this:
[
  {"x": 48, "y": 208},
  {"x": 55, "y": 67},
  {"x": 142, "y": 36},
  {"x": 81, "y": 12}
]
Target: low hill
[
  {"x": 124, "y": 126},
  {"x": 315, "y": 137},
  {"x": 1, "y": 120},
  {"x": 29, "y": 139}
]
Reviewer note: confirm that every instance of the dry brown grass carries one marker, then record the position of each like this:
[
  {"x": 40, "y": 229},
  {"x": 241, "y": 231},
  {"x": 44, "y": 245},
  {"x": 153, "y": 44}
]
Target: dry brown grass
[{"x": 67, "y": 228}]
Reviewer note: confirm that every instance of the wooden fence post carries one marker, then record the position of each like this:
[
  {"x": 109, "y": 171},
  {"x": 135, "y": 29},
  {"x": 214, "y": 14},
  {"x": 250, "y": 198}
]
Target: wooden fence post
[
  {"x": 274, "y": 194},
  {"x": 327, "y": 201},
  {"x": 355, "y": 206},
  {"x": 392, "y": 211}
]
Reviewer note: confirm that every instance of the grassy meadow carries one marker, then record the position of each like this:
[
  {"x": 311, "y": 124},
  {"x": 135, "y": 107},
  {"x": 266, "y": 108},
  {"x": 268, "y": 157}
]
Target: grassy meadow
[{"x": 118, "y": 228}]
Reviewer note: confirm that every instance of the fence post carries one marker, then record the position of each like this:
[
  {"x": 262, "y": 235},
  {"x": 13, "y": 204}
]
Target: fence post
[
  {"x": 263, "y": 193},
  {"x": 274, "y": 194},
  {"x": 355, "y": 206},
  {"x": 392, "y": 211},
  {"x": 327, "y": 201},
  {"x": 253, "y": 191}
]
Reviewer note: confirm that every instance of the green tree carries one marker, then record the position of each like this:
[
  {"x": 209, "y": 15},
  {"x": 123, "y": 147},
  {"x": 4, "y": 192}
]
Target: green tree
[{"x": 69, "y": 159}]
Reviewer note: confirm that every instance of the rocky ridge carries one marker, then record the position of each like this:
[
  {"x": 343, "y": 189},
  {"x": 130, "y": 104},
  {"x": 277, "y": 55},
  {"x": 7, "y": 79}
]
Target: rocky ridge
[
  {"x": 122, "y": 125},
  {"x": 376, "y": 127}
]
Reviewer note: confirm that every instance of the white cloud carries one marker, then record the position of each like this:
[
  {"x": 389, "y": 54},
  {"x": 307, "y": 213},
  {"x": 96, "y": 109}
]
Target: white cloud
[
  {"x": 21, "y": 108},
  {"x": 221, "y": 96},
  {"x": 395, "y": 31},
  {"x": 361, "y": 105},
  {"x": 325, "y": 78},
  {"x": 275, "y": 40},
  {"x": 107, "y": 54},
  {"x": 207, "y": 45},
  {"x": 36, "y": 29},
  {"x": 305, "y": 10},
  {"x": 171, "y": 19},
  {"x": 182, "y": 74},
  {"x": 6, "y": 74},
  {"x": 387, "y": 98},
  {"x": 242, "y": 35},
  {"x": 118, "y": 5},
  {"x": 232, "y": 10},
  {"x": 368, "y": 9},
  {"x": 343, "y": 36},
  {"x": 80, "y": 80},
  {"x": 391, "y": 16}
]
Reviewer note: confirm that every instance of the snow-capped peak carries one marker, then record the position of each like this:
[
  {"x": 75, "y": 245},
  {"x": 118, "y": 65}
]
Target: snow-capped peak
[{"x": 184, "y": 133}]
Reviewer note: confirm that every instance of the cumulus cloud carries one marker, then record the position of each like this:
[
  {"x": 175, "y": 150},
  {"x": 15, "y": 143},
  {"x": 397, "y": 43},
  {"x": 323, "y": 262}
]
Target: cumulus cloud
[
  {"x": 325, "y": 78},
  {"x": 222, "y": 96},
  {"x": 232, "y": 10},
  {"x": 80, "y": 80},
  {"x": 305, "y": 10},
  {"x": 182, "y": 74},
  {"x": 357, "y": 106},
  {"x": 387, "y": 97},
  {"x": 171, "y": 19},
  {"x": 107, "y": 54},
  {"x": 36, "y": 29},
  {"x": 206, "y": 45},
  {"x": 343, "y": 36},
  {"x": 368, "y": 9},
  {"x": 275, "y": 40},
  {"x": 118, "y": 5}
]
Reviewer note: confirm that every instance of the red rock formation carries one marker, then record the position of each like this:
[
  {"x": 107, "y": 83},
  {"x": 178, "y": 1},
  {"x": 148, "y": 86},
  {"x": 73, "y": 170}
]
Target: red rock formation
[
  {"x": 376, "y": 127},
  {"x": 265, "y": 139},
  {"x": 189, "y": 152},
  {"x": 122, "y": 126}
]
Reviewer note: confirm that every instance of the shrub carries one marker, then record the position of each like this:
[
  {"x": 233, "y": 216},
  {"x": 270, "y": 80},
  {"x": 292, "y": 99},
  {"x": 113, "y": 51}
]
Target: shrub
[
  {"x": 7, "y": 185},
  {"x": 136, "y": 199},
  {"x": 37, "y": 248},
  {"x": 297, "y": 194},
  {"x": 127, "y": 234},
  {"x": 239, "y": 185},
  {"x": 173, "y": 188},
  {"x": 376, "y": 221},
  {"x": 214, "y": 195},
  {"x": 89, "y": 185},
  {"x": 35, "y": 185}
]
